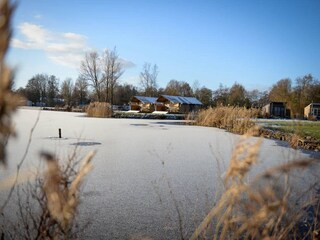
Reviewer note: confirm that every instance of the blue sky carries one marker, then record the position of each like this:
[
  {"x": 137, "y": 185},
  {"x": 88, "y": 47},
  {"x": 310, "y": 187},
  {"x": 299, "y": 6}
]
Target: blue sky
[{"x": 255, "y": 43}]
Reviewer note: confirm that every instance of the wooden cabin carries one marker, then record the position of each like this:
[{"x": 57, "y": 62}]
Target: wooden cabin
[
  {"x": 312, "y": 111},
  {"x": 276, "y": 110},
  {"x": 177, "y": 104},
  {"x": 143, "y": 104}
]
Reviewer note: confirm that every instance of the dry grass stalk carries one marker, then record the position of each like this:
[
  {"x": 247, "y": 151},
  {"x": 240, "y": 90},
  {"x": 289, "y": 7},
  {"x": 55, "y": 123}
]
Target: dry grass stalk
[
  {"x": 294, "y": 140},
  {"x": 234, "y": 119},
  {"x": 47, "y": 203},
  {"x": 261, "y": 209},
  {"x": 8, "y": 101},
  {"x": 99, "y": 109},
  {"x": 62, "y": 192}
]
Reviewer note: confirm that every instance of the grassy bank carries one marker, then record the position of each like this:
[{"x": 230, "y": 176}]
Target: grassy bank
[
  {"x": 299, "y": 134},
  {"x": 301, "y": 128}
]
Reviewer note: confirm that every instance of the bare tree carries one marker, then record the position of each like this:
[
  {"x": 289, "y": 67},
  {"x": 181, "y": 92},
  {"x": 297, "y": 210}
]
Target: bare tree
[
  {"x": 80, "y": 91},
  {"x": 302, "y": 94},
  {"x": 112, "y": 71},
  {"x": 181, "y": 88},
  {"x": 66, "y": 91},
  {"x": 237, "y": 96},
  {"x": 281, "y": 91},
  {"x": 90, "y": 70},
  {"x": 204, "y": 94},
  {"x": 148, "y": 79},
  {"x": 124, "y": 93},
  {"x": 52, "y": 90}
]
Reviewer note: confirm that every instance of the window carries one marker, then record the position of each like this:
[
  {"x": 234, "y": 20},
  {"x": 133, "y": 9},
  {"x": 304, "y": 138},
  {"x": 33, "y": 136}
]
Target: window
[{"x": 278, "y": 111}]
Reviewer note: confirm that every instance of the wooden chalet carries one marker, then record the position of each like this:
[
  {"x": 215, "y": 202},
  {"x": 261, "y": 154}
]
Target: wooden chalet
[
  {"x": 276, "y": 110},
  {"x": 312, "y": 111},
  {"x": 177, "y": 104},
  {"x": 143, "y": 104}
]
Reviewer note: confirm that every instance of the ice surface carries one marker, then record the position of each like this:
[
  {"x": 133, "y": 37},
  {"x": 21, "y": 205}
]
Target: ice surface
[{"x": 138, "y": 163}]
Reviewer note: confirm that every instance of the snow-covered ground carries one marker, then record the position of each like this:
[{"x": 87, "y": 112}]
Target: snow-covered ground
[{"x": 138, "y": 163}]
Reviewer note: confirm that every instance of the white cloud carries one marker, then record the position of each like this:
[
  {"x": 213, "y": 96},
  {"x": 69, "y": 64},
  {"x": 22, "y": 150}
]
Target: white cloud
[
  {"x": 62, "y": 48},
  {"x": 35, "y": 35},
  {"x": 66, "y": 49},
  {"x": 19, "y": 44}
]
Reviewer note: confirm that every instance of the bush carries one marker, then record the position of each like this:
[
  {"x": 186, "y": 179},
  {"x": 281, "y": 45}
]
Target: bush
[{"x": 99, "y": 109}]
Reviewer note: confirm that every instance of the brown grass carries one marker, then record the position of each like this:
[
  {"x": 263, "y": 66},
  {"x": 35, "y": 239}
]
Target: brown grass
[
  {"x": 99, "y": 109},
  {"x": 234, "y": 119},
  {"x": 266, "y": 207}
]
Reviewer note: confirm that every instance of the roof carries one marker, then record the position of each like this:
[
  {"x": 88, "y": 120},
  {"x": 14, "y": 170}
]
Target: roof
[
  {"x": 282, "y": 103},
  {"x": 182, "y": 100},
  {"x": 146, "y": 99}
]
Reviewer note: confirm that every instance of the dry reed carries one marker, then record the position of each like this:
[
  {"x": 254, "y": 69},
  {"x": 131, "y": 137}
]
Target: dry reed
[
  {"x": 61, "y": 190},
  {"x": 47, "y": 203},
  {"x": 99, "y": 109},
  {"x": 264, "y": 208},
  {"x": 234, "y": 119},
  {"x": 8, "y": 100}
]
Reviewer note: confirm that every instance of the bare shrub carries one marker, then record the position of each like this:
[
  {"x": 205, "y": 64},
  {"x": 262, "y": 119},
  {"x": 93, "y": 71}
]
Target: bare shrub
[
  {"x": 99, "y": 109},
  {"x": 266, "y": 207},
  {"x": 234, "y": 119},
  {"x": 47, "y": 203}
]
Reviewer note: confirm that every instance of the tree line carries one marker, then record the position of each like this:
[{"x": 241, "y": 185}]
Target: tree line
[{"x": 99, "y": 80}]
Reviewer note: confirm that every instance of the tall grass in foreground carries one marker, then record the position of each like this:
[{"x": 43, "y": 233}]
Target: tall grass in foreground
[
  {"x": 8, "y": 100},
  {"x": 269, "y": 206},
  {"x": 234, "y": 119},
  {"x": 99, "y": 109},
  {"x": 46, "y": 204}
]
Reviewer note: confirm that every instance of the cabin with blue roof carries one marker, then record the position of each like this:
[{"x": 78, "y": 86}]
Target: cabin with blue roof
[
  {"x": 143, "y": 104},
  {"x": 177, "y": 104}
]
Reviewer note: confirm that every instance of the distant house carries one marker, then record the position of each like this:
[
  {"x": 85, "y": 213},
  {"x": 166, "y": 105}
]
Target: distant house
[
  {"x": 143, "y": 104},
  {"x": 312, "y": 110},
  {"x": 177, "y": 104},
  {"x": 276, "y": 109}
]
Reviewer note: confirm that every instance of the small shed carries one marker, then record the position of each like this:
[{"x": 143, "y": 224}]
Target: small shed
[
  {"x": 143, "y": 104},
  {"x": 177, "y": 104},
  {"x": 276, "y": 109},
  {"x": 312, "y": 111}
]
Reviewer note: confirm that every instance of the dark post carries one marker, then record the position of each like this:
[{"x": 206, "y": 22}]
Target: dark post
[{"x": 59, "y": 132}]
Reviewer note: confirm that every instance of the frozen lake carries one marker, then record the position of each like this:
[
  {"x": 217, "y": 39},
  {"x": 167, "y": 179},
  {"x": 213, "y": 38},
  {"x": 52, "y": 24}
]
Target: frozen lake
[{"x": 145, "y": 171}]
